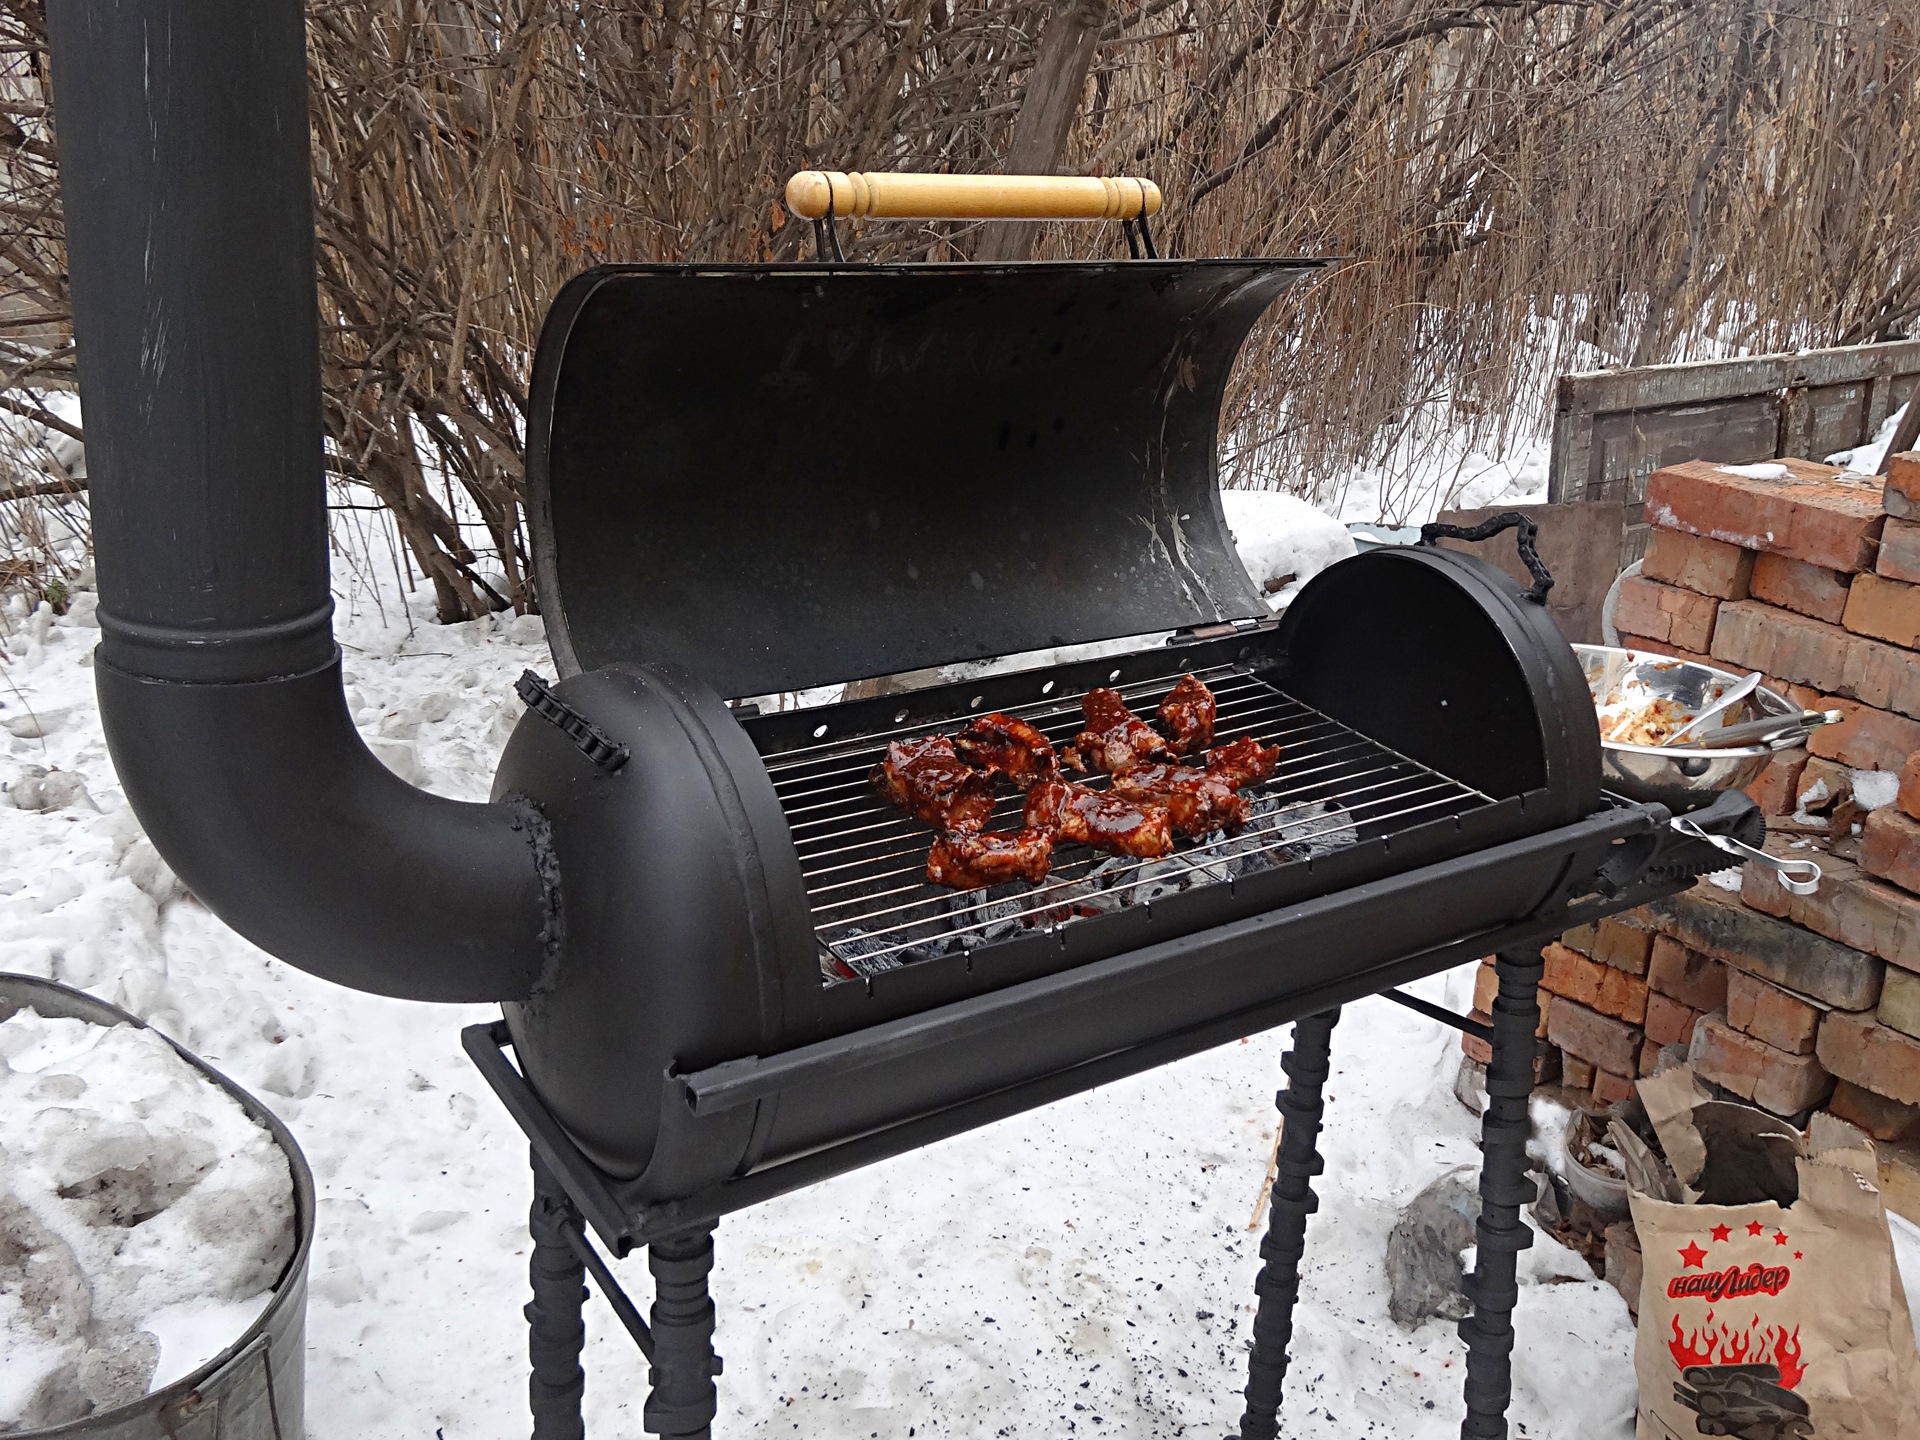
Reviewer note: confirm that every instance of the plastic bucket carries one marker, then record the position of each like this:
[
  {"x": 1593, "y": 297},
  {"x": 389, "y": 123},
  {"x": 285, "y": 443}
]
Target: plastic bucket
[{"x": 255, "y": 1389}]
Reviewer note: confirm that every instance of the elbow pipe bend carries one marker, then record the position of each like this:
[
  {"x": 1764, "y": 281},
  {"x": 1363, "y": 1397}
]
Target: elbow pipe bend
[{"x": 266, "y": 803}]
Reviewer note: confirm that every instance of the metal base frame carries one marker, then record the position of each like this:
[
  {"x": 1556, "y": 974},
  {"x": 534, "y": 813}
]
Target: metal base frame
[{"x": 1504, "y": 1190}]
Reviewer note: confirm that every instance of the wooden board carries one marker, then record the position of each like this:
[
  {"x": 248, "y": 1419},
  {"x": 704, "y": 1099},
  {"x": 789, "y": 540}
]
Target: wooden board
[{"x": 1578, "y": 543}]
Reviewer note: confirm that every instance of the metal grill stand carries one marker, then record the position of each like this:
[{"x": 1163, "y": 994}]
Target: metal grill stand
[
  {"x": 1504, "y": 1190},
  {"x": 556, "y": 1329}
]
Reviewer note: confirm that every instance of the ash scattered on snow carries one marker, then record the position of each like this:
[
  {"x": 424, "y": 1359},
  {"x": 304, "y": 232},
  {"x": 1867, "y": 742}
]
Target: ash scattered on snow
[{"x": 144, "y": 1218}]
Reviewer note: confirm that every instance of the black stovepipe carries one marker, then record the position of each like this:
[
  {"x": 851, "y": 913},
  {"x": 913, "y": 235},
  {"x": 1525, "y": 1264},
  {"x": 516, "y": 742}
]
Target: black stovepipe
[{"x": 184, "y": 165}]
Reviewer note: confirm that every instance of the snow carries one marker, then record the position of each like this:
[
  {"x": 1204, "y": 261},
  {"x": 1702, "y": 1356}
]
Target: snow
[
  {"x": 1765, "y": 470},
  {"x": 1865, "y": 459},
  {"x": 1873, "y": 789},
  {"x": 144, "y": 1217},
  {"x": 1097, "y": 1253},
  {"x": 1283, "y": 540}
]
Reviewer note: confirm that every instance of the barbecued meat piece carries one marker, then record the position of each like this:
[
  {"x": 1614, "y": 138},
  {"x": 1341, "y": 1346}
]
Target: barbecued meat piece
[
  {"x": 1199, "y": 802},
  {"x": 969, "y": 862},
  {"x": 1009, "y": 746},
  {"x": 1105, "y": 822},
  {"x": 1243, "y": 762},
  {"x": 1115, "y": 739},
  {"x": 929, "y": 781},
  {"x": 1187, "y": 713}
]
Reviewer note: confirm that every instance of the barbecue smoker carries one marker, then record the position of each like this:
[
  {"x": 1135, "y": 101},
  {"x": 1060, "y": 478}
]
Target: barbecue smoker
[{"x": 961, "y": 488}]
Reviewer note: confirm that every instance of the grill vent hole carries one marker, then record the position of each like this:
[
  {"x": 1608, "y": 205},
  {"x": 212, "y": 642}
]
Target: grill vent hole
[
  {"x": 899, "y": 717},
  {"x": 1114, "y": 676},
  {"x": 819, "y": 732},
  {"x": 1047, "y": 689},
  {"x": 976, "y": 702}
]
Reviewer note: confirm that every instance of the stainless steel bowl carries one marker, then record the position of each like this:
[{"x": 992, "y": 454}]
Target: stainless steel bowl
[{"x": 1678, "y": 779}]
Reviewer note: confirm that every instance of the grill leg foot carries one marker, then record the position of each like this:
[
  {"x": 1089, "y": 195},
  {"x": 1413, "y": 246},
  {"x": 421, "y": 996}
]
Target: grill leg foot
[
  {"x": 1306, "y": 1066},
  {"x": 683, "y": 1400},
  {"x": 555, "y": 1329},
  {"x": 1504, "y": 1189}
]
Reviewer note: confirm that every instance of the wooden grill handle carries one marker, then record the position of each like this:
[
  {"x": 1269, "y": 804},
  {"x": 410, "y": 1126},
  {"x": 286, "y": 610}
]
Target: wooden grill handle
[{"x": 895, "y": 196}]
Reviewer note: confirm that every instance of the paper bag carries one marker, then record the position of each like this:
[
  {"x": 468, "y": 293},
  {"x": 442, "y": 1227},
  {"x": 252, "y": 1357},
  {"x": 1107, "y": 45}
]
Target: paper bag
[{"x": 1771, "y": 1307}]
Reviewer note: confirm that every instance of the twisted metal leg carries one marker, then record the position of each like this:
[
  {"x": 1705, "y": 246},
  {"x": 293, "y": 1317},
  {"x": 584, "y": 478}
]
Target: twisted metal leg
[
  {"x": 1306, "y": 1066},
  {"x": 1504, "y": 1190},
  {"x": 683, "y": 1400},
  {"x": 555, "y": 1330}
]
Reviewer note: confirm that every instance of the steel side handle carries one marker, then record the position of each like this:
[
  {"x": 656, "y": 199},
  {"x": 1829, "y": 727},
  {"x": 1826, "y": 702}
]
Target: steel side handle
[{"x": 894, "y": 195}]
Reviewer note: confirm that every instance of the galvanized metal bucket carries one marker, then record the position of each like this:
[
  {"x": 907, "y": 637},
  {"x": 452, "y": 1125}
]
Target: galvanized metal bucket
[{"x": 255, "y": 1389}]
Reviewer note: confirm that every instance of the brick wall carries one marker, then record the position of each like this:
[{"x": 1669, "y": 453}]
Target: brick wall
[{"x": 1793, "y": 1002}]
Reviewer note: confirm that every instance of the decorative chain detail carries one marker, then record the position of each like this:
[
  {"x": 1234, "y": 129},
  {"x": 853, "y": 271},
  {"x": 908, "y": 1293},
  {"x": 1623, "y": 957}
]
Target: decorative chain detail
[{"x": 588, "y": 738}]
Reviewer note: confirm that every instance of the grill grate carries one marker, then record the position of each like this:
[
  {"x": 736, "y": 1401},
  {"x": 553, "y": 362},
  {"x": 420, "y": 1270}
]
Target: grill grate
[{"x": 865, "y": 862}]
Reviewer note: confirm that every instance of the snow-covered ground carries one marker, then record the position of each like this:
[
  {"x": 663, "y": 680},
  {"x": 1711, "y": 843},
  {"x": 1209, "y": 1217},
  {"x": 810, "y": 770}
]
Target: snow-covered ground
[{"x": 1083, "y": 1270}]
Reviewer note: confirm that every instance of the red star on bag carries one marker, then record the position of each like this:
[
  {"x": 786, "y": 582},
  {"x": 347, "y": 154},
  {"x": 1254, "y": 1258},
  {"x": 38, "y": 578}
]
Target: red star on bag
[
  {"x": 1798, "y": 1256},
  {"x": 1722, "y": 1232},
  {"x": 1694, "y": 1256},
  {"x": 1755, "y": 1227},
  {"x": 1779, "y": 1238}
]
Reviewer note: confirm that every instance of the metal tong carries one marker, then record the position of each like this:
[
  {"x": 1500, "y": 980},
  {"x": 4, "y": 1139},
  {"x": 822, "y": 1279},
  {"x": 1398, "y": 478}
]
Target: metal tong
[{"x": 1777, "y": 731}]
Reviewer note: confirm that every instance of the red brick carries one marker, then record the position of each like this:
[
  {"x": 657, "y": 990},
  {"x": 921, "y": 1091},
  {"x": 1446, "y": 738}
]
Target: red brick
[
  {"x": 1695, "y": 980},
  {"x": 1649, "y": 1056},
  {"x": 1814, "y": 514},
  {"x": 1668, "y": 1021},
  {"x": 1871, "y": 1055},
  {"x": 1693, "y": 562},
  {"x": 1581, "y": 937},
  {"x": 1599, "y": 987},
  {"x": 1902, "y": 494},
  {"x": 1646, "y": 644},
  {"x": 1909, "y": 797},
  {"x": 1900, "y": 551},
  {"x": 1486, "y": 985},
  {"x": 1850, "y": 907},
  {"x": 1890, "y": 847},
  {"x": 1883, "y": 1119},
  {"x": 1760, "y": 637},
  {"x": 1772, "y": 1079},
  {"x": 1800, "y": 587},
  {"x": 1665, "y": 612},
  {"x": 1575, "y": 1073},
  {"x": 1900, "y": 1002},
  {"x": 1885, "y": 609},
  {"x": 1608, "y": 1043},
  {"x": 1778, "y": 788},
  {"x": 1823, "y": 785},
  {"x": 1868, "y": 739},
  {"x": 1623, "y": 944},
  {"x": 1546, "y": 1059},
  {"x": 1769, "y": 1013},
  {"x": 1608, "y": 1088}
]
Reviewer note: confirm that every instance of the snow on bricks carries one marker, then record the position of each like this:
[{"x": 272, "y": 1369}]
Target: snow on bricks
[
  {"x": 1708, "y": 920},
  {"x": 1815, "y": 513},
  {"x": 1665, "y": 613},
  {"x": 1873, "y": 1056},
  {"x": 1772, "y": 1079},
  {"x": 1800, "y": 587},
  {"x": 1693, "y": 562}
]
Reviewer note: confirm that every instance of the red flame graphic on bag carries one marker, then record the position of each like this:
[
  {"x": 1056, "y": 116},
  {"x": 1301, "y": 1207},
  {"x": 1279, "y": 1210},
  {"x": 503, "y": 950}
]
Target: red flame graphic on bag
[{"x": 1756, "y": 1345}]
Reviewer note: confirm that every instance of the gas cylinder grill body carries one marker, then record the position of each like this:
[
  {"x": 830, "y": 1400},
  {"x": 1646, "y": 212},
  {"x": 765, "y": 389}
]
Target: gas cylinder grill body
[{"x": 722, "y": 974}]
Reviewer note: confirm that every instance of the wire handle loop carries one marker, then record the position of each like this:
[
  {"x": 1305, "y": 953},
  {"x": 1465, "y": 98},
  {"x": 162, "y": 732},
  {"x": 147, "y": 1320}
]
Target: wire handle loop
[{"x": 1524, "y": 542}]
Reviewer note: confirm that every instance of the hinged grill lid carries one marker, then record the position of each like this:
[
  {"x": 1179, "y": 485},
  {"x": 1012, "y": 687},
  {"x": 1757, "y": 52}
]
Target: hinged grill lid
[{"x": 786, "y": 476}]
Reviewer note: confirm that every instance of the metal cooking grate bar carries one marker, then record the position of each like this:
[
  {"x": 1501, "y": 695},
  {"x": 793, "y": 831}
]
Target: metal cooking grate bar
[{"x": 864, "y": 861}]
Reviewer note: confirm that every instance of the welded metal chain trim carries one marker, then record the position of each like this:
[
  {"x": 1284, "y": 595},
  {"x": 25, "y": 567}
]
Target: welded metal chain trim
[
  {"x": 683, "y": 1400},
  {"x": 1523, "y": 542},
  {"x": 1505, "y": 1187},
  {"x": 1298, "y": 1160},
  {"x": 588, "y": 738}
]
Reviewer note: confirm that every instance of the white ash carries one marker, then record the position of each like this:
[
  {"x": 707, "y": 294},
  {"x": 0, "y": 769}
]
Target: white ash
[{"x": 144, "y": 1218}]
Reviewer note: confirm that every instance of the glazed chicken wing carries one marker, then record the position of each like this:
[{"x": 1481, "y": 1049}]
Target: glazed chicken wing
[
  {"x": 1187, "y": 713},
  {"x": 1009, "y": 746},
  {"x": 971, "y": 862},
  {"x": 1243, "y": 762},
  {"x": 1198, "y": 801},
  {"x": 1115, "y": 739},
  {"x": 1104, "y": 822},
  {"x": 929, "y": 781}
]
